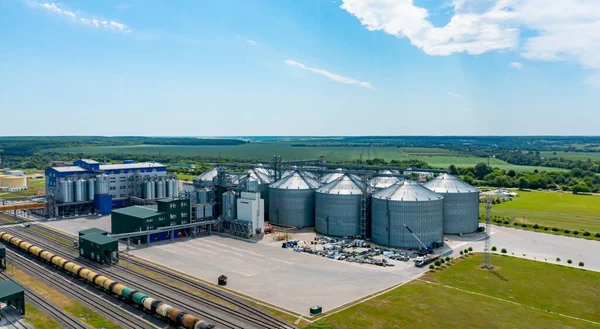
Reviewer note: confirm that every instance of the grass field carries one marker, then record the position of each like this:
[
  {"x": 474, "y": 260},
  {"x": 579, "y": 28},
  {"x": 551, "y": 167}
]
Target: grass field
[
  {"x": 34, "y": 185},
  {"x": 528, "y": 293},
  {"x": 439, "y": 158},
  {"x": 583, "y": 156},
  {"x": 552, "y": 209}
]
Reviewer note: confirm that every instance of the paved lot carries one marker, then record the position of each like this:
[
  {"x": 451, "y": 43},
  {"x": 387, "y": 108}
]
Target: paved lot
[
  {"x": 74, "y": 225},
  {"x": 538, "y": 246},
  {"x": 294, "y": 281}
]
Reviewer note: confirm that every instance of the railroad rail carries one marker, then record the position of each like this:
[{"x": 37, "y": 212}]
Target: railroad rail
[
  {"x": 225, "y": 317},
  {"x": 100, "y": 305}
]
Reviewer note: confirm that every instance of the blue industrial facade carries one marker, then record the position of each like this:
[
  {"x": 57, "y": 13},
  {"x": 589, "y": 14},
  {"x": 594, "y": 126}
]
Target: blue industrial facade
[{"x": 104, "y": 204}]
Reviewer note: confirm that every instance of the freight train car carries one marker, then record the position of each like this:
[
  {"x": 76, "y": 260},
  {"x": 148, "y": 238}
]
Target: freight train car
[{"x": 154, "y": 306}]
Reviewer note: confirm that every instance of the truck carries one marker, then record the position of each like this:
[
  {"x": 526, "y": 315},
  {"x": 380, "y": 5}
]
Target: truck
[{"x": 421, "y": 261}]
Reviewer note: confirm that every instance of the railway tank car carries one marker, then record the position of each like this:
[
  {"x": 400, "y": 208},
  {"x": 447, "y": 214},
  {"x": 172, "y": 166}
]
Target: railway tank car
[{"x": 154, "y": 306}]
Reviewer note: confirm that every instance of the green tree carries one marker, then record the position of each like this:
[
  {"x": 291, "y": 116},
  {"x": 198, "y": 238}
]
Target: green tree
[
  {"x": 503, "y": 251},
  {"x": 452, "y": 170},
  {"x": 580, "y": 188},
  {"x": 494, "y": 248},
  {"x": 523, "y": 183},
  {"x": 481, "y": 169},
  {"x": 581, "y": 264},
  {"x": 569, "y": 261}
]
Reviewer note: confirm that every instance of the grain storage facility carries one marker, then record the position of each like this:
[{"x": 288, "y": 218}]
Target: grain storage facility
[
  {"x": 338, "y": 207},
  {"x": 411, "y": 204},
  {"x": 264, "y": 180},
  {"x": 13, "y": 183},
  {"x": 292, "y": 200},
  {"x": 461, "y": 203},
  {"x": 381, "y": 182},
  {"x": 205, "y": 179}
]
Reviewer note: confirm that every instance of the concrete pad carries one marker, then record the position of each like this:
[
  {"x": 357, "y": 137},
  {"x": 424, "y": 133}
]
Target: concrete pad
[
  {"x": 295, "y": 281},
  {"x": 74, "y": 225}
]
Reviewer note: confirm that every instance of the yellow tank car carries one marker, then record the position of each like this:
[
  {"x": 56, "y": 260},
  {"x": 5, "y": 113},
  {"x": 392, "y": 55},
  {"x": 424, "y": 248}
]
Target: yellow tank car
[
  {"x": 72, "y": 267},
  {"x": 90, "y": 276},
  {"x": 99, "y": 280},
  {"x": 6, "y": 237},
  {"x": 106, "y": 284},
  {"x": 35, "y": 250},
  {"x": 117, "y": 288},
  {"x": 58, "y": 261},
  {"x": 25, "y": 245},
  {"x": 15, "y": 241},
  {"x": 46, "y": 255},
  {"x": 83, "y": 274}
]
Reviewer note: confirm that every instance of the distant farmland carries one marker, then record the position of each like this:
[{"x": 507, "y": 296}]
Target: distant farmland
[{"x": 439, "y": 158}]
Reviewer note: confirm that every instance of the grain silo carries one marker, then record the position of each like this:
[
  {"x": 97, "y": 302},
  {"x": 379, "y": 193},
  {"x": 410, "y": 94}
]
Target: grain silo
[
  {"x": 411, "y": 204},
  {"x": 292, "y": 200},
  {"x": 328, "y": 178},
  {"x": 461, "y": 203},
  {"x": 381, "y": 182},
  {"x": 264, "y": 180},
  {"x": 205, "y": 179},
  {"x": 338, "y": 207}
]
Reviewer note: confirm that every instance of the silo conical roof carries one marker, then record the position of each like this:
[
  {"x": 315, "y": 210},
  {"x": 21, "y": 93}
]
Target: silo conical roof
[
  {"x": 207, "y": 176},
  {"x": 260, "y": 175},
  {"x": 343, "y": 185},
  {"x": 447, "y": 183},
  {"x": 328, "y": 178},
  {"x": 379, "y": 182},
  {"x": 296, "y": 181},
  {"x": 407, "y": 190}
]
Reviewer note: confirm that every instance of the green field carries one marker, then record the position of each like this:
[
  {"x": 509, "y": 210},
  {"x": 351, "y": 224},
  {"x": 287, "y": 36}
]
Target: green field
[
  {"x": 34, "y": 185},
  {"x": 439, "y": 158},
  {"x": 462, "y": 297},
  {"x": 553, "y": 209},
  {"x": 583, "y": 156}
]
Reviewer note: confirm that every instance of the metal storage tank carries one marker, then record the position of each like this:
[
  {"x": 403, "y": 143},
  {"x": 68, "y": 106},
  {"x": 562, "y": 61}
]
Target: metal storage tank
[
  {"x": 169, "y": 188},
  {"x": 69, "y": 190},
  {"x": 411, "y": 204},
  {"x": 203, "y": 195},
  {"x": 292, "y": 200},
  {"x": 229, "y": 209},
  {"x": 79, "y": 190},
  {"x": 149, "y": 189},
  {"x": 64, "y": 190},
  {"x": 102, "y": 184},
  {"x": 206, "y": 178},
  {"x": 175, "y": 187},
  {"x": 91, "y": 189},
  {"x": 264, "y": 180},
  {"x": 328, "y": 178},
  {"x": 461, "y": 203},
  {"x": 338, "y": 207},
  {"x": 379, "y": 182},
  {"x": 160, "y": 189}
]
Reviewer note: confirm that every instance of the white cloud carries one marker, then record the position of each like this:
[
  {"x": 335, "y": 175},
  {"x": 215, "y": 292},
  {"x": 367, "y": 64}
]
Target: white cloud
[
  {"x": 104, "y": 24},
  {"x": 252, "y": 42},
  {"x": 562, "y": 30},
  {"x": 455, "y": 95},
  {"x": 516, "y": 65},
  {"x": 330, "y": 75}
]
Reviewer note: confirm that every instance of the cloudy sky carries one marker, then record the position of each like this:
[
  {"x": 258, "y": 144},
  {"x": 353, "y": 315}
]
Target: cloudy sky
[{"x": 288, "y": 67}]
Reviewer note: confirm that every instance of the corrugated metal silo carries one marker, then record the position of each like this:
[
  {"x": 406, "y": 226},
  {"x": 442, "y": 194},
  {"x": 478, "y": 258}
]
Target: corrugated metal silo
[
  {"x": 91, "y": 189},
  {"x": 203, "y": 195},
  {"x": 338, "y": 207},
  {"x": 64, "y": 190},
  {"x": 102, "y": 184},
  {"x": 292, "y": 200},
  {"x": 264, "y": 180},
  {"x": 328, "y": 178},
  {"x": 69, "y": 191},
  {"x": 381, "y": 182},
  {"x": 411, "y": 204},
  {"x": 79, "y": 190},
  {"x": 229, "y": 210},
  {"x": 160, "y": 189},
  {"x": 461, "y": 203},
  {"x": 206, "y": 178}
]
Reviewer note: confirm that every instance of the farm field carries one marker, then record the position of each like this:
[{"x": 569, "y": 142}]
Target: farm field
[
  {"x": 552, "y": 209},
  {"x": 464, "y": 296},
  {"x": 34, "y": 185},
  {"x": 583, "y": 156},
  {"x": 435, "y": 157}
]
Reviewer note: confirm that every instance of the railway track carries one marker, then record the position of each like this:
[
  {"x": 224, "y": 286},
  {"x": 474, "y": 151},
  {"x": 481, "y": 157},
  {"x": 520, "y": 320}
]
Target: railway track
[
  {"x": 211, "y": 311},
  {"x": 238, "y": 302},
  {"x": 107, "y": 309}
]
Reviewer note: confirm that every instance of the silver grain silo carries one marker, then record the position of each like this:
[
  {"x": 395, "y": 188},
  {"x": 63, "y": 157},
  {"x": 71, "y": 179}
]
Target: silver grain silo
[
  {"x": 175, "y": 187},
  {"x": 411, "y": 204},
  {"x": 461, "y": 203},
  {"x": 338, "y": 207},
  {"x": 381, "y": 182},
  {"x": 69, "y": 190},
  {"x": 148, "y": 189},
  {"x": 169, "y": 188},
  {"x": 160, "y": 188},
  {"x": 206, "y": 178},
  {"x": 79, "y": 190},
  {"x": 292, "y": 200},
  {"x": 64, "y": 190},
  {"x": 328, "y": 178},
  {"x": 91, "y": 189},
  {"x": 229, "y": 209},
  {"x": 264, "y": 180},
  {"x": 203, "y": 195},
  {"x": 102, "y": 184}
]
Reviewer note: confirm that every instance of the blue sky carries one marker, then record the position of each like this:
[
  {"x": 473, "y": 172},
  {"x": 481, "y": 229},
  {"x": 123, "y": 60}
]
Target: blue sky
[{"x": 249, "y": 67}]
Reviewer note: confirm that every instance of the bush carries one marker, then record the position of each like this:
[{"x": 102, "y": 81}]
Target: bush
[
  {"x": 506, "y": 222},
  {"x": 523, "y": 225},
  {"x": 431, "y": 267},
  {"x": 461, "y": 252},
  {"x": 437, "y": 263},
  {"x": 470, "y": 249},
  {"x": 570, "y": 261},
  {"x": 442, "y": 261},
  {"x": 503, "y": 251},
  {"x": 575, "y": 233},
  {"x": 466, "y": 251},
  {"x": 597, "y": 235},
  {"x": 536, "y": 226},
  {"x": 557, "y": 259},
  {"x": 554, "y": 229},
  {"x": 447, "y": 258},
  {"x": 586, "y": 233},
  {"x": 494, "y": 248},
  {"x": 567, "y": 231},
  {"x": 581, "y": 264},
  {"x": 545, "y": 229},
  {"x": 516, "y": 224}
]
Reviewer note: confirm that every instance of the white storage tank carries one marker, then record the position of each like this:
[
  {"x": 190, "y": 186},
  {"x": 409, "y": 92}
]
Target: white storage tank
[{"x": 381, "y": 182}]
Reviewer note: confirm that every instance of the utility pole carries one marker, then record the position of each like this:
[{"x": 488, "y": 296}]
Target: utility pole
[{"x": 487, "y": 249}]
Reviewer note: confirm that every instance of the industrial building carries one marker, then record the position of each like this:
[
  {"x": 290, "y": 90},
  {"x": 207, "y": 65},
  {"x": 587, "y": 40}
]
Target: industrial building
[
  {"x": 13, "y": 295},
  {"x": 90, "y": 187},
  {"x": 11, "y": 183},
  {"x": 95, "y": 244},
  {"x": 167, "y": 212},
  {"x": 461, "y": 203}
]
